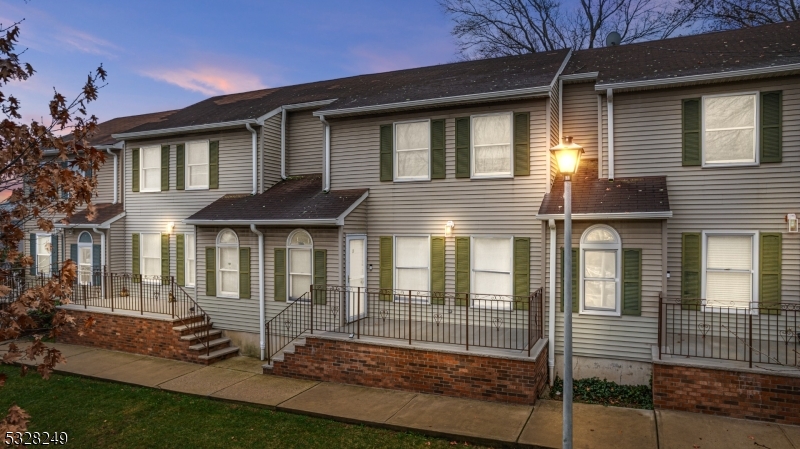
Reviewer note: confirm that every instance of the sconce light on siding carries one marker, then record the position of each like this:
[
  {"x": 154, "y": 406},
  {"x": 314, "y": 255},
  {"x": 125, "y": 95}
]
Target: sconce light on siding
[
  {"x": 448, "y": 229},
  {"x": 170, "y": 227}
]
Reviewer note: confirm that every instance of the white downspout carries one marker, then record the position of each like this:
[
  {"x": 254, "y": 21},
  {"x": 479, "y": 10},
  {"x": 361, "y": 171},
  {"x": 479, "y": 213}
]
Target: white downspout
[
  {"x": 261, "y": 317},
  {"x": 255, "y": 156},
  {"x": 326, "y": 158},
  {"x": 116, "y": 181},
  {"x": 610, "y": 102},
  {"x": 283, "y": 143},
  {"x": 551, "y": 321}
]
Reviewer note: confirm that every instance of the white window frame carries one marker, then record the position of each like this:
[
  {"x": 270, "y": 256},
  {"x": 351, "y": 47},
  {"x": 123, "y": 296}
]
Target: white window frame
[
  {"x": 219, "y": 270},
  {"x": 404, "y": 297},
  {"x": 142, "y": 186},
  {"x": 510, "y": 173},
  {"x": 289, "y": 273},
  {"x": 395, "y": 150},
  {"x": 39, "y": 270},
  {"x": 187, "y": 175},
  {"x": 617, "y": 247},
  {"x": 89, "y": 244},
  {"x": 754, "y": 299},
  {"x": 756, "y": 135},
  {"x": 187, "y": 252},
  {"x": 474, "y": 297},
  {"x": 141, "y": 257}
]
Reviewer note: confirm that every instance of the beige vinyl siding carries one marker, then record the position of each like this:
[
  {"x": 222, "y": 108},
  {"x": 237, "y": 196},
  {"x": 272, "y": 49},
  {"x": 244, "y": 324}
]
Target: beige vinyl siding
[
  {"x": 149, "y": 212},
  {"x": 625, "y": 337},
  {"x": 579, "y": 101},
  {"x": 648, "y": 142},
  {"x": 604, "y": 136},
  {"x": 118, "y": 250},
  {"x": 356, "y": 221},
  {"x": 105, "y": 180},
  {"x": 478, "y": 207},
  {"x": 303, "y": 143},
  {"x": 271, "y": 153}
]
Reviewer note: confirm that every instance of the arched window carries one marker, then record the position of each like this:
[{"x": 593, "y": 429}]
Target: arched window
[
  {"x": 300, "y": 249},
  {"x": 227, "y": 264},
  {"x": 85, "y": 261},
  {"x": 601, "y": 266}
]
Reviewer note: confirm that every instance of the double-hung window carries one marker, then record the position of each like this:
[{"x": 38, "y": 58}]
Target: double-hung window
[
  {"x": 300, "y": 249},
  {"x": 190, "y": 265},
  {"x": 151, "y": 169},
  {"x": 730, "y": 269},
  {"x": 412, "y": 263},
  {"x": 151, "y": 255},
  {"x": 492, "y": 271},
  {"x": 44, "y": 251},
  {"x": 227, "y": 264},
  {"x": 601, "y": 267},
  {"x": 197, "y": 165},
  {"x": 492, "y": 155},
  {"x": 412, "y": 151},
  {"x": 729, "y": 129}
]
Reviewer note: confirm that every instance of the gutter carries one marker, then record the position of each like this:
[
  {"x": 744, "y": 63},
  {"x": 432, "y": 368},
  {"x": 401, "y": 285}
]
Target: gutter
[
  {"x": 104, "y": 225},
  {"x": 579, "y": 76},
  {"x": 610, "y": 107},
  {"x": 255, "y": 157},
  {"x": 551, "y": 319},
  {"x": 182, "y": 129},
  {"x": 116, "y": 182},
  {"x": 326, "y": 155},
  {"x": 261, "y": 308},
  {"x": 611, "y": 216},
  {"x": 299, "y": 222},
  {"x": 667, "y": 82}
]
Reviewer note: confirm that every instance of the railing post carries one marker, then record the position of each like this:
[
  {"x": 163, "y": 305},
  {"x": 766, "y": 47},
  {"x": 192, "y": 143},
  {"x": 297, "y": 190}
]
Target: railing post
[
  {"x": 358, "y": 314},
  {"x": 750, "y": 337},
  {"x": 311, "y": 324},
  {"x": 467, "y": 312},
  {"x": 110, "y": 286},
  {"x": 172, "y": 299},
  {"x": 530, "y": 332},
  {"x": 141, "y": 295},
  {"x": 269, "y": 344},
  {"x": 409, "y": 317},
  {"x": 661, "y": 311}
]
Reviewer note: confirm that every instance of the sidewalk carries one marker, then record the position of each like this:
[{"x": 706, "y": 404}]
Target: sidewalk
[{"x": 240, "y": 380}]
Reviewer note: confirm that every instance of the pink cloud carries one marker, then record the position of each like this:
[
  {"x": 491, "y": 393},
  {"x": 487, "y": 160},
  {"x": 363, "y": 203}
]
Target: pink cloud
[{"x": 208, "y": 80}]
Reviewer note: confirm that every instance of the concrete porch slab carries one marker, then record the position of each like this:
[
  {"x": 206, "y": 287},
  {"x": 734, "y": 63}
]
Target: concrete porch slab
[
  {"x": 595, "y": 426},
  {"x": 242, "y": 363},
  {"x": 92, "y": 363},
  {"x": 678, "y": 430},
  {"x": 205, "y": 381},
  {"x": 264, "y": 390},
  {"x": 793, "y": 434},
  {"x": 70, "y": 350},
  {"x": 349, "y": 402},
  {"x": 453, "y": 417},
  {"x": 150, "y": 371}
]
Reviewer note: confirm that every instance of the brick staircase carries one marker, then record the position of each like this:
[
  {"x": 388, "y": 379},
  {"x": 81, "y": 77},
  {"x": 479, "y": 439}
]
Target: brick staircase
[
  {"x": 279, "y": 357},
  {"x": 204, "y": 343}
]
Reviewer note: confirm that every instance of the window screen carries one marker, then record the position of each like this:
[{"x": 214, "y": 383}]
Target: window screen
[
  {"x": 197, "y": 165},
  {"x": 492, "y": 145},
  {"x": 729, "y": 270},
  {"x": 599, "y": 279},
  {"x": 730, "y": 129},
  {"x": 151, "y": 169},
  {"x": 190, "y": 262},
  {"x": 44, "y": 248},
  {"x": 412, "y": 149},
  {"x": 412, "y": 262},
  {"x": 491, "y": 266},
  {"x": 151, "y": 254}
]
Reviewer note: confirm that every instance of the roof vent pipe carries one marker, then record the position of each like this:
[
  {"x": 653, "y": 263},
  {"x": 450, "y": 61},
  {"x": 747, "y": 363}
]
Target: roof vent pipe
[
  {"x": 326, "y": 155},
  {"x": 255, "y": 157}
]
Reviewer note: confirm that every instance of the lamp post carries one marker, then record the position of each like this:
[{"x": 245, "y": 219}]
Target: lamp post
[{"x": 568, "y": 155}]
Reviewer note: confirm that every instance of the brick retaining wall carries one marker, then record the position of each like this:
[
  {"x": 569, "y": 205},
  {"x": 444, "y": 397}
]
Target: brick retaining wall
[
  {"x": 418, "y": 370},
  {"x": 139, "y": 335},
  {"x": 748, "y": 395}
]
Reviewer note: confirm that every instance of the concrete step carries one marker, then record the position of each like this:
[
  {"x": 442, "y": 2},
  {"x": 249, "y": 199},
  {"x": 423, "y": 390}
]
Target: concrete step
[
  {"x": 187, "y": 320},
  {"x": 289, "y": 349},
  {"x": 219, "y": 354},
  {"x": 212, "y": 344},
  {"x": 186, "y": 329},
  {"x": 213, "y": 333}
]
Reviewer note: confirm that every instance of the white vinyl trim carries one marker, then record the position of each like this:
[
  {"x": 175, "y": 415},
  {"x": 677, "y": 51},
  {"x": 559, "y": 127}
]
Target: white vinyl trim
[
  {"x": 220, "y": 292},
  {"x": 187, "y": 185},
  {"x": 472, "y": 158},
  {"x": 756, "y": 134},
  {"x": 616, "y": 247},
  {"x": 184, "y": 129},
  {"x": 610, "y": 216},
  {"x": 395, "y": 151},
  {"x": 754, "y": 269}
]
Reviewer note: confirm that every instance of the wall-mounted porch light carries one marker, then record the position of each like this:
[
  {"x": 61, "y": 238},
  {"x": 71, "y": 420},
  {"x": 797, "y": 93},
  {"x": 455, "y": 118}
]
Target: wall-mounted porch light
[
  {"x": 791, "y": 222},
  {"x": 448, "y": 228},
  {"x": 170, "y": 227}
]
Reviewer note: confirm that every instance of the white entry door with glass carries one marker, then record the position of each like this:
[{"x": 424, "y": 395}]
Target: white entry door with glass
[
  {"x": 85, "y": 250},
  {"x": 356, "y": 277}
]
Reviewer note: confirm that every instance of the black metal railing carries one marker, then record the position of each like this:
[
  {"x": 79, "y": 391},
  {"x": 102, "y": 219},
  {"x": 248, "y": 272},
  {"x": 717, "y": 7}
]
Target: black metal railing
[
  {"x": 468, "y": 320},
  {"x": 751, "y": 333}
]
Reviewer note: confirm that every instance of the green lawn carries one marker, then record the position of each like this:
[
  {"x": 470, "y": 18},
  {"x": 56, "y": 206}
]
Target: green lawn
[{"x": 99, "y": 414}]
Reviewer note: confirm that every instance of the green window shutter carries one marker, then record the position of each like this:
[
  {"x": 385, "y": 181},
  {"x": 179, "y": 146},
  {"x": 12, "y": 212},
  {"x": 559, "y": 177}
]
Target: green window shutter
[
  {"x": 462, "y": 271},
  {"x": 632, "y": 282},
  {"x": 522, "y": 144},
  {"x": 462, "y": 148},
  {"x": 522, "y": 272},
  {"x": 211, "y": 271},
  {"x": 73, "y": 252},
  {"x": 164, "y": 168},
  {"x": 180, "y": 166},
  {"x": 213, "y": 164},
  {"x": 320, "y": 275},
  {"x": 165, "y": 259},
  {"x": 33, "y": 253},
  {"x": 89, "y": 173},
  {"x": 386, "y": 263},
  {"x": 135, "y": 170},
  {"x": 437, "y": 150},
  {"x": 136, "y": 267},
  {"x": 244, "y": 273},
  {"x": 769, "y": 269},
  {"x": 387, "y": 153},
  {"x": 54, "y": 254},
  {"x": 180, "y": 256},
  {"x": 691, "y": 132},
  {"x": 437, "y": 270},
  {"x": 97, "y": 256},
  {"x": 771, "y": 127},
  {"x": 575, "y": 286},
  {"x": 690, "y": 270},
  {"x": 280, "y": 274}
]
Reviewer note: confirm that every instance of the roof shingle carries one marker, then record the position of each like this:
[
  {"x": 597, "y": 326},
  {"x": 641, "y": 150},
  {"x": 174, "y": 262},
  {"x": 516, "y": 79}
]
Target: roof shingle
[{"x": 105, "y": 212}]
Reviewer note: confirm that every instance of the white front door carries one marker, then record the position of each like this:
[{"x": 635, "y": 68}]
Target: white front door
[
  {"x": 356, "y": 277},
  {"x": 85, "y": 264}
]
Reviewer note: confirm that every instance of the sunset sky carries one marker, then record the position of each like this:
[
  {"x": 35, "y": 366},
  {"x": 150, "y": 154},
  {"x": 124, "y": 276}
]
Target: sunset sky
[{"x": 163, "y": 55}]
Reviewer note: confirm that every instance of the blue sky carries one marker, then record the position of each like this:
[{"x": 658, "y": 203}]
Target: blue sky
[{"x": 165, "y": 54}]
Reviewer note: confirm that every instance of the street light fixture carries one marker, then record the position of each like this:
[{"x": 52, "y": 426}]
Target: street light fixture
[{"x": 568, "y": 156}]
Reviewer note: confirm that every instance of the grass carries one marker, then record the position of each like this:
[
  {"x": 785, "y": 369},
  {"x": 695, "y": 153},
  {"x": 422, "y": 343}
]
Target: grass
[
  {"x": 604, "y": 392},
  {"x": 110, "y": 415}
]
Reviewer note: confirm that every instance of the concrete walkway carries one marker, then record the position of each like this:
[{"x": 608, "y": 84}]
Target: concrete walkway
[{"x": 240, "y": 380}]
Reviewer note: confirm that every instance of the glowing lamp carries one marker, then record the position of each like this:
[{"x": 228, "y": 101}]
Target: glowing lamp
[{"x": 568, "y": 156}]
